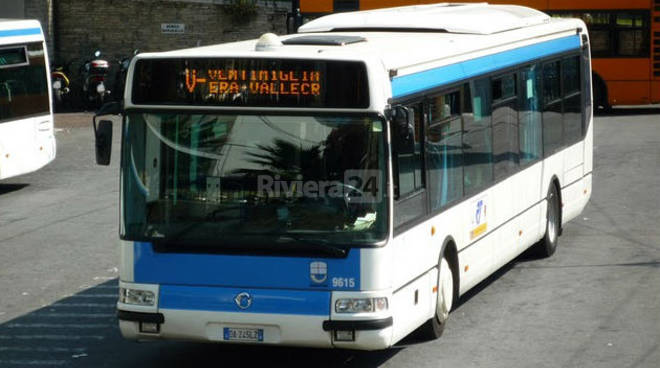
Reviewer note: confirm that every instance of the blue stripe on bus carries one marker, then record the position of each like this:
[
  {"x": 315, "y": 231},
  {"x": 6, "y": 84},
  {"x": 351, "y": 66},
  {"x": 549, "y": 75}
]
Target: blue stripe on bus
[
  {"x": 428, "y": 79},
  {"x": 244, "y": 270},
  {"x": 269, "y": 301},
  {"x": 20, "y": 32}
]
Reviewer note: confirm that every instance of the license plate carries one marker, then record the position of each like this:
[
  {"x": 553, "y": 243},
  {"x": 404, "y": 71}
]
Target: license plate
[{"x": 243, "y": 334}]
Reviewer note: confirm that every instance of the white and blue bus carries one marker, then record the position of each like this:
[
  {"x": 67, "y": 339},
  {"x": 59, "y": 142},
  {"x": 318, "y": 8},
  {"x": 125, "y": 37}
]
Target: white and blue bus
[
  {"x": 27, "y": 139},
  {"x": 343, "y": 186}
]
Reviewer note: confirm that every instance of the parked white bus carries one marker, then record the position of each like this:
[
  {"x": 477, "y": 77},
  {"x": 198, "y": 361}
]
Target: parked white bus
[
  {"x": 343, "y": 186},
  {"x": 27, "y": 140}
]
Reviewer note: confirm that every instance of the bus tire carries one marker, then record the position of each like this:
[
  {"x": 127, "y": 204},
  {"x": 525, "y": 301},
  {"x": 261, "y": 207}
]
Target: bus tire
[
  {"x": 601, "y": 98},
  {"x": 446, "y": 297},
  {"x": 548, "y": 245}
]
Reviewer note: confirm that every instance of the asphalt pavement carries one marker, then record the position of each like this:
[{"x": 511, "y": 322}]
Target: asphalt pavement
[{"x": 595, "y": 303}]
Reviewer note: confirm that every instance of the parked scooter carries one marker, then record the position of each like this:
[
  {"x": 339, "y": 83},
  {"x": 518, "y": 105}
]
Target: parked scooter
[
  {"x": 60, "y": 83},
  {"x": 120, "y": 76},
  {"x": 94, "y": 74}
]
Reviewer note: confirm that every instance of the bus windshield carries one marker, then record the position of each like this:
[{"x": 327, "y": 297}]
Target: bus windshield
[
  {"x": 223, "y": 180},
  {"x": 23, "y": 82}
]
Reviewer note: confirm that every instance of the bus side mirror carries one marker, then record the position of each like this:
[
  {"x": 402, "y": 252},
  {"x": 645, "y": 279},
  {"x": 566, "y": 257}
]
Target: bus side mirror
[
  {"x": 403, "y": 129},
  {"x": 103, "y": 132},
  {"x": 103, "y": 142},
  {"x": 109, "y": 108}
]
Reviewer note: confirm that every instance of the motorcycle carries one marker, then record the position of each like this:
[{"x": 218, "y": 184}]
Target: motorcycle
[
  {"x": 94, "y": 73},
  {"x": 60, "y": 83},
  {"x": 120, "y": 76}
]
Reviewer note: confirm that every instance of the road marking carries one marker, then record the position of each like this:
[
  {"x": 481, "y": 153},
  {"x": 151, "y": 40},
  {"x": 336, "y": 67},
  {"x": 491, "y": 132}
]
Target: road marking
[
  {"x": 42, "y": 349},
  {"x": 104, "y": 278},
  {"x": 39, "y": 363},
  {"x": 56, "y": 325},
  {"x": 83, "y": 305},
  {"x": 51, "y": 337}
]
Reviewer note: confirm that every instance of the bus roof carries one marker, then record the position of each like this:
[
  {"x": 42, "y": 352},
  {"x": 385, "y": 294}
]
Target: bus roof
[
  {"x": 394, "y": 49},
  {"x": 480, "y": 18},
  {"x": 19, "y": 30}
]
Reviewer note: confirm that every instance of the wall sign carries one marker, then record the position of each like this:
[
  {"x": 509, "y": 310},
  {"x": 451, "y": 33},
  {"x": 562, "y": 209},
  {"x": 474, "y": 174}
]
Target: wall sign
[{"x": 173, "y": 28}]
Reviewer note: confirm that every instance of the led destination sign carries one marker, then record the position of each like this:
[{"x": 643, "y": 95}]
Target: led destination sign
[
  {"x": 251, "y": 82},
  {"x": 257, "y": 82}
]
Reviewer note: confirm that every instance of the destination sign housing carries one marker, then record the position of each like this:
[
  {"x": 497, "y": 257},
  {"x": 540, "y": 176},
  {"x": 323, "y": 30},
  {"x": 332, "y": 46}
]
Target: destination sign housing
[{"x": 251, "y": 82}]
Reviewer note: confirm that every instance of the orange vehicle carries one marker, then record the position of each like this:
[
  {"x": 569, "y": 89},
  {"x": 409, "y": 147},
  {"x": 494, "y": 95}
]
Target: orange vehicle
[{"x": 625, "y": 40}]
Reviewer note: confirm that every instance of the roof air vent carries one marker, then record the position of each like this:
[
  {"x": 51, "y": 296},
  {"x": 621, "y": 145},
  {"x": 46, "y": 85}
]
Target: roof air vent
[
  {"x": 323, "y": 40},
  {"x": 268, "y": 42}
]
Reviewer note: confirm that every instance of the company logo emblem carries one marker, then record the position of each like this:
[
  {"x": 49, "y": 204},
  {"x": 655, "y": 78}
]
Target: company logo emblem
[
  {"x": 480, "y": 208},
  {"x": 318, "y": 272},
  {"x": 480, "y": 219},
  {"x": 243, "y": 300}
]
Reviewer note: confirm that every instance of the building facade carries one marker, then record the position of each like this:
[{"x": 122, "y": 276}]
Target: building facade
[{"x": 76, "y": 28}]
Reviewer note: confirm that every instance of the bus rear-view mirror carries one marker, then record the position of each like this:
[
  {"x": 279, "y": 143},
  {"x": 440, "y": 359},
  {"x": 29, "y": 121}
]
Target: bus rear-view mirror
[
  {"x": 103, "y": 142},
  {"x": 103, "y": 132}
]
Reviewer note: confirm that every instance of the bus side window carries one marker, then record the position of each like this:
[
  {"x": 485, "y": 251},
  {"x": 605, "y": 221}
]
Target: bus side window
[
  {"x": 409, "y": 165},
  {"x": 478, "y": 138},
  {"x": 552, "y": 108},
  {"x": 505, "y": 125},
  {"x": 444, "y": 150},
  {"x": 570, "y": 69},
  {"x": 24, "y": 87},
  {"x": 632, "y": 34},
  {"x": 346, "y": 5},
  {"x": 530, "y": 128},
  {"x": 587, "y": 88},
  {"x": 409, "y": 178}
]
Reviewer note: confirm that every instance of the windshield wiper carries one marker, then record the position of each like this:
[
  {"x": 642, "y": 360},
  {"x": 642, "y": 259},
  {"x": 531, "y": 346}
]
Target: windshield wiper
[
  {"x": 318, "y": 244},
  {"x": 286, "y": 241}
]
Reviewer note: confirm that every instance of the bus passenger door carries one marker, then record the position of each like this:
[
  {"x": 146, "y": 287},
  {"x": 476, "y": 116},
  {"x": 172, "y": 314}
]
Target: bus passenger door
[
  {"x": 572, "y": 136},
  {"x": 411, "y": 246},
  {"x": 509, "y": 197},
  {"x": 530, "y": 134}
]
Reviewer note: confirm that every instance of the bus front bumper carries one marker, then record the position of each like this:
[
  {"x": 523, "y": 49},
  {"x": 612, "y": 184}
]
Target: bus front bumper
[
  {"x": 286, "y": 330},
  {"x": 304, "y": 326}
]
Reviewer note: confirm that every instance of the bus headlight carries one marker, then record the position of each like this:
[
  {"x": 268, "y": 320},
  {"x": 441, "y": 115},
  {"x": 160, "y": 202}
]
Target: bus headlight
[
  {"x": 361, "y": 305},
  {"x": 136, "y": 297}
]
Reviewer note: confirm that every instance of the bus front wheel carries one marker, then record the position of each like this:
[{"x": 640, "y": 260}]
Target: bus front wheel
[
  {"x": 601, "y": 98},
  {"x": 445, "y": 301}
]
